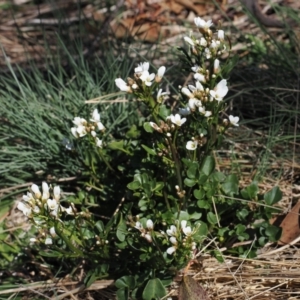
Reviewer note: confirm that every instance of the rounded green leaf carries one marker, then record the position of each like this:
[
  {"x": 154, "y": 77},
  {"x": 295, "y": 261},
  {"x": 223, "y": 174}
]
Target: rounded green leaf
[
  {"x": 154, "y": 290},
  {"x": 208, "y": 165},
  {"x": 211, "y": 218},
  {"x": 273, "y": 196}
]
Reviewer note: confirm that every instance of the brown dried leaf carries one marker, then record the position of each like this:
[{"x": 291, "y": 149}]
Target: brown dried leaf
[
  {"x": 290, "y": 226},
  {"x": 190, "y": 289}
]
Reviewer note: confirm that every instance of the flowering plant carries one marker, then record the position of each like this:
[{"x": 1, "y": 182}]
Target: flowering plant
[{"x": 171, "y": 197}]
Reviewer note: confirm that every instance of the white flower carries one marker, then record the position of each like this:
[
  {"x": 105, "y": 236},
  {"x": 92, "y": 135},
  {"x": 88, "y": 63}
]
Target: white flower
[
  {"x": 204, "y": 112},
  {"x": 187, "y": 92},
  {"x": 187, "y": 230},
  {"x": 172, "y": 249},
  {"x": 32, "y": 240},
  {"x": 56, "y": 193},
  {"x": 172, "y": 231},
  {"x": 220, "y": 90},
  {"x": 195, "y": 68},
  {"x": 122, "y": 85},
  {"x": 27, "y": 197},
  {"x": 142, "y": 67},
  {"x": 203, "y": 42},
  {"x": 161, "y": 71},
  {"x": 160, "y": 96},
  {"x": 148, "y": 237},
  {"x": 221, "y": 35},
  {"x": 149, "y": 224},
  {"x": 177, "y": 119},
  {"x": 189, "y": 41},
  {"x": 147, "y": 78},
  {"x": 216, "y": 66},
  {"x": 199, "y": 77},
  {"x": 100, "y": 126},
  {"x": 52, "y": 204},
  {"x": 79, "y": 131},
  {"x": 214, "y": 44},
  {"x": 95, "y": 116},
  {"x": 26, "y": 210},
  {"x": 93, "y": 133},
  {"x": 79, "y": 121},
  {"x": 191, "y": 145},
  {"x": 48, "y": 241},
  {"x": 69, "y": 210},
  {"x": 35, "y": 189},
  {"x": 98, "y": 142},
  {"x": 173, "y": 240},
  {"x": 36, "y": 209},
  {"x": 234, "y": 120},
  {"x": 155, "y": 126},
  {"x": 138, "y": 225},
  {"x": 197, "y": 88},
  {"x": 207, "y": 53},
  {"x": 45, "y": 189},
  {"x": 202, "y": 23},
  {"x": 194, "y": 103},
  {"x": 52, "y": 231}
]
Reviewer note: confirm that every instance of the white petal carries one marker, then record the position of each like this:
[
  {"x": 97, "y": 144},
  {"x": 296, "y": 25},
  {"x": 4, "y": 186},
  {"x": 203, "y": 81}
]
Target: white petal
[
  {"x": 161, "y": 71},
  {"x": 171, "y": 250},
  {"x": 191, "y": 145},
  {"x": 149, "y": 224},
  {"x": 56, "y": 192}
]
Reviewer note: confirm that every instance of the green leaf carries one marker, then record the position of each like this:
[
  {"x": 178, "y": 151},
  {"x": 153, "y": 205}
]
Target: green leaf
[
  {"x": 148, "y": 127},
  {"x": 273, "y": 196},
  {"x": 208, "y": 165},
  {"x": 158, "y": 186},
  {"x": 164, "y": 112},
  {"x": 211, "y": 218},
  {"x": 126, "y": 282},
  {"x": 133, "y": 132},
  {"x": 134, "y": 185},
  {"x": 189, "y": 182},
  {"x": 273, "y": 233},
  {"x": 100, "y": 226},
  {"x": 122, "y": 231},
  {"x": 199, "y": 194},
  {"x": 231, "y": 185},
  {"x": 154, "y": 290},
  {"x": 149, "y": 150},
  {"x": 183, "y": 215},
  {"x": 203, "y": 204},
  {"x": 122, "y": 294},
  {"x": 242, "y": 214},
  {"x": 192, "y": 171},
  {"x": 116, "y": 145}
]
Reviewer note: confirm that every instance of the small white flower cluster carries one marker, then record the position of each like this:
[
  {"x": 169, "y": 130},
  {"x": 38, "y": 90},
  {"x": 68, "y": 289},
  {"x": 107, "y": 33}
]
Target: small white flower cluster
[
  {"x": 142, "y": 79},
  {"x": 145, "y": 232},
  {"x": 173, "y": 122},
  {"x": 200, "y": 97},
  {"x": 199, "y": 140},
  {"x": 177, "y": 239},
  {"x": 83, "y": 127},
  {"x": 37, "y": 205}
]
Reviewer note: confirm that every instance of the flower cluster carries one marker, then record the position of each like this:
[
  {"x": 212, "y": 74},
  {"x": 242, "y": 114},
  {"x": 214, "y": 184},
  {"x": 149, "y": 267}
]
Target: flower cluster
[
  {"x": 83, "y": 127},
  {"x": 145, "y": 232},
  {"x": 181, "y": 237},
  {"x": 39, "y": 206},
  {"x": 143, "y": 79}
]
